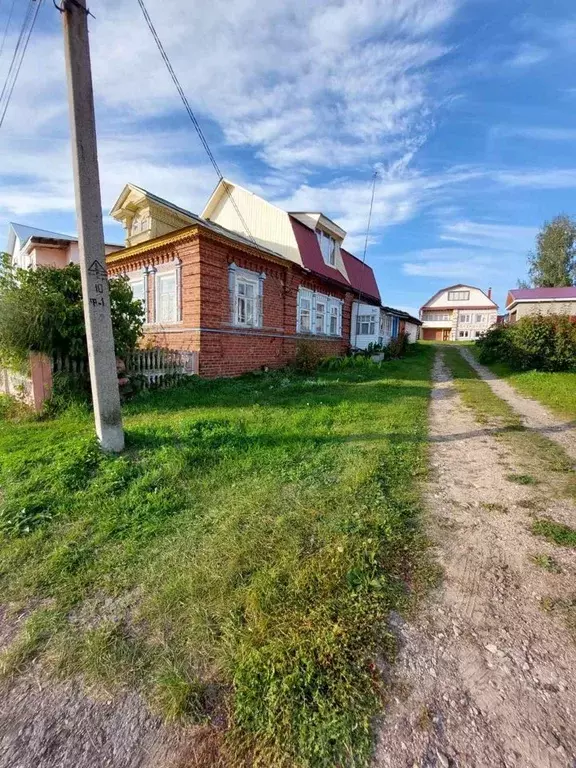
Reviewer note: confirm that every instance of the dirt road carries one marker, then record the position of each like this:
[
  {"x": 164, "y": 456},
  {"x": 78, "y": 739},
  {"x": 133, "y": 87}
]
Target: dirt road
[{"x": 485, "y": 677}]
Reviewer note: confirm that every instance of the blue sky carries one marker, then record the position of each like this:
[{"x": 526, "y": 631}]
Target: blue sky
[{"x": 466, "y": 107}]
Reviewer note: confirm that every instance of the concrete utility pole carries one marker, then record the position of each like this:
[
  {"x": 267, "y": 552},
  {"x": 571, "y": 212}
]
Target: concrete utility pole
[{"x": 95, "y": 291}]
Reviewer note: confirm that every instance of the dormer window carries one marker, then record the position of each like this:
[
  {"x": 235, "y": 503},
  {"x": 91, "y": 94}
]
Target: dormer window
[
  {"x": 328, "y": 247},
  {"x": 140, "y": 223}
]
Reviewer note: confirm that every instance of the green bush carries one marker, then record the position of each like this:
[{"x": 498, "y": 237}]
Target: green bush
[
  {"x": 536, "y": 342},
  {"x": 308, "y": 357},
  {"x": 41, "y": 311},
  {"x": 398, "y": 346}
]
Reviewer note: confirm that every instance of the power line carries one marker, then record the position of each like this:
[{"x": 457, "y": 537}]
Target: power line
[
  {"x": 18, "y": 56},
  {"x": 191, "y": 114},
  {"x": 360, "y": 284},
  {"x": 7, "y": 27}
]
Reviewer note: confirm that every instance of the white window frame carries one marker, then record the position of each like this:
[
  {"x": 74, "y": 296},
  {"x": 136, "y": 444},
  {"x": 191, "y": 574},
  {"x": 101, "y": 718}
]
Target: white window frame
[
  {"x": 238, "y": 277},
  {"x": 305, "y": 296},
  {"x": 159, "y": 278},
  {"x": 365, "y": 319},
  {"x": 307, "y": 307},
  {"x": 328, "y": 247},
  {"x": 320, "y": 315},
  {"x": 144, "y": 300},
  {"x": 458, "y": 295}
]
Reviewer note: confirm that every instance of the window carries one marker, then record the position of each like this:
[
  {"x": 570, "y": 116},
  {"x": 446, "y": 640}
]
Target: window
[
  {"x": 166, "y": 298},
  {"x": 138, "y": 290},
  {"x": 436, "y": 316},
  {"x": 328, "y": 247},
  {"x": 305, "y": 311},
  {"x": 334, "y": 320},
  {"x": 140, "y": 223},
  {"x": 480, "y": 318},
  {"x": 246, "y": 290},
  {"x": 365, "y": 325},
  {"x": 465, "y": 318},
  {"x": 318, "y": 314},
  {"x": 458, "y": 295},
  {"x": 478, "y": 334},
  {"x": 463, "y": 334}
]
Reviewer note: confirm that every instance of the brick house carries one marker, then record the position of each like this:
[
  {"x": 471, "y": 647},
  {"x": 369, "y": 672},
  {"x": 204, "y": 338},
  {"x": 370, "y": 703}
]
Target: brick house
[{"x": 241, "y": 284}]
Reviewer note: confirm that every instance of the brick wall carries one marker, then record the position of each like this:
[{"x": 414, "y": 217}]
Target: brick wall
[{"x": 224, "y": 349}]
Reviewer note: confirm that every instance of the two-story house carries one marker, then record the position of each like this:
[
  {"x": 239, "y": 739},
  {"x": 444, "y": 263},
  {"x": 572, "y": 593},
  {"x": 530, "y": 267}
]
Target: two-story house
[
  {"x": 458, "y": 313},
  {"x": 241, "y": 284},
  {"x": 30, "y": 247}
]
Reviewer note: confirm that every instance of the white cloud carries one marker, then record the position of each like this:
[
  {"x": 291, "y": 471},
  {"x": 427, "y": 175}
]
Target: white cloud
[
  {"x": 308, "y": 87},
  {"x": 528, "y": 55},
  {"x": 489, "y": 235},
  {"x": 538, "y": 133},
  {"x": 561, "y": 178}
]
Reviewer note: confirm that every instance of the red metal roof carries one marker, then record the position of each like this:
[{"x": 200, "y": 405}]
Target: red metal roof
[
  {"x": 541, "y": 294},
  {"x": 361, "y": 276}
]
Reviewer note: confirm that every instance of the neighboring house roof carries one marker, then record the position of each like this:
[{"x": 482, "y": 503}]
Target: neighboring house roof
[
  {"x": 540, "y": 294},
  {"x": 404, "y": 315},
  {"x": 360, "y": 276},
  {"x": 24, "y": 233},
  {"x": 452, "y": 288}
]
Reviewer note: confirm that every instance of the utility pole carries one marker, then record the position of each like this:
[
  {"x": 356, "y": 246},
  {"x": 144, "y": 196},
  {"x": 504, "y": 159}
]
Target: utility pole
[{"x": 95, "y": 290}]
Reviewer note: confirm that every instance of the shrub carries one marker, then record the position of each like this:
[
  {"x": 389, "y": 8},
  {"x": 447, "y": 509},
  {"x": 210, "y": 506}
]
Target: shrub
[
  {"x": 537, "y": 342},
  {"x": 41, "y": 311},
  {"x": 494, "y": 345},
  {"x": 308, "y": 357},
  {"x": 397, "y": 347}
]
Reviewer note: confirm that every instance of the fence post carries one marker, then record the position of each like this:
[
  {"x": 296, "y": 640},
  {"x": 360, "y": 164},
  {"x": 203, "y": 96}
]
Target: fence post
[{"x": 41, "y": 375}]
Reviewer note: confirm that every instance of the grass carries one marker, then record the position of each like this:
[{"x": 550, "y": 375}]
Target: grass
[
  {"x": 546, "y": 562},
  {"x": 544, "y": 460},
  {"x": 522, "y": 479},
  {"x": 555, "y": 390},
  {"x": 241, "y": 557},
  {"x": 558, "y": 533}
]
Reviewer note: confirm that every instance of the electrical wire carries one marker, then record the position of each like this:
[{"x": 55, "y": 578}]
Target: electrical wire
[
  {"x": 191, "y": 115},
  {"x": 7, "y": 27},
  {"x": 18, "y": 56},
  {"x": 374, "y": 178}
]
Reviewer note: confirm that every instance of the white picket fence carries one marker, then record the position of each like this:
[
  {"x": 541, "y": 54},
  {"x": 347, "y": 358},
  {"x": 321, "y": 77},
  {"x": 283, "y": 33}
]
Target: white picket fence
[
  {"x": 154, "y": 368},
  {"x": 161, "y": 367}
]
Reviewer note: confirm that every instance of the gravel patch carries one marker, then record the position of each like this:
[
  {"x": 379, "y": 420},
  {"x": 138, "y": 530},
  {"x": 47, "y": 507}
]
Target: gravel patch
[{"x": 485, "y": 677}]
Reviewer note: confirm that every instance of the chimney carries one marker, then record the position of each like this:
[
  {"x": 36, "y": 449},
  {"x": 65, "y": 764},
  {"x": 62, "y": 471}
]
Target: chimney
[{"x": 489, "y": 293}]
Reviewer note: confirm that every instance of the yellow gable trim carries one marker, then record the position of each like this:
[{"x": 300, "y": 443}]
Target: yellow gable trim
[{"x": 150, "y": 245}]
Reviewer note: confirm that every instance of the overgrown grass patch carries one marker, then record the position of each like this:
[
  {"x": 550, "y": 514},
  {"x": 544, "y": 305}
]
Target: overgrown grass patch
[
  {"x": 558, "y": 533},
  {"x": 555, "y": 390},
  {"x": 243, "y": 554},
  {"x": 543, "y": 460}
]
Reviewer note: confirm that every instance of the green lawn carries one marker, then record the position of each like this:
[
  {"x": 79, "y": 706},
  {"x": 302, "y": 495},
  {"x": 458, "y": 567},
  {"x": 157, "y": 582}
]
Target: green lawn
[
  {"x": 241, "y": 556},
  {"x": 555, "y": 390}
]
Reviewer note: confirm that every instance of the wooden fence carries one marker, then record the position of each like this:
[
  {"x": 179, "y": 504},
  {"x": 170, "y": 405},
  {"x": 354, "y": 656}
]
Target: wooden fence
[
  {"x": 157, "y": 368},
  {"x": 146, "y": 368}
]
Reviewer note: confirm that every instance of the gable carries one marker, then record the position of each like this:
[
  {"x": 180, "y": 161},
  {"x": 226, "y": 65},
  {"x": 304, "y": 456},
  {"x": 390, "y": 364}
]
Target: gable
[
  {"x": 476, "y": 298},
  {"x": 268, "y": 225},
  {"x": 145, "y": 216}
]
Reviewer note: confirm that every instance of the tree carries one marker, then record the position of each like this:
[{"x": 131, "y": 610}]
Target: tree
[
  {"x": 554, "y": 262},
  {"x": 41, "y": 311}
]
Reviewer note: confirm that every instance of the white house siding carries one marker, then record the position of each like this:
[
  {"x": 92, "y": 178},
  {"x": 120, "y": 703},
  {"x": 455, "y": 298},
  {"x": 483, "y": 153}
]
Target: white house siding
[
  {"x": 412, "y": 331},
  {"x": 268, "y": 225},
  {"x": 362, "y": 340}
]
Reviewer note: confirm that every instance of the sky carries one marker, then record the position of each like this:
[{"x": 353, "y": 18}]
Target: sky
[{"x": 466, "y": 108}]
